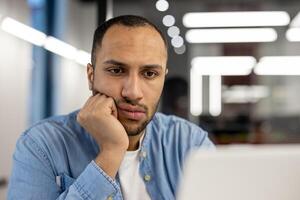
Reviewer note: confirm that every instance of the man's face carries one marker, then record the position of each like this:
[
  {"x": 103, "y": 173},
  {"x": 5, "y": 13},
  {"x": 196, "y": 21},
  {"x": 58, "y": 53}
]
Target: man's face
[{"x": 131, "y": 68}]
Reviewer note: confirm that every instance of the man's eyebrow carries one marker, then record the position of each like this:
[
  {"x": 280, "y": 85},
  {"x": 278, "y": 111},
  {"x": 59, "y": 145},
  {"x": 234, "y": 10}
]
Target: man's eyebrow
[
  {"x": 152, "y": 66},
  {"x": 147, "y": 66},
  {"x": 115, "y": 62}
]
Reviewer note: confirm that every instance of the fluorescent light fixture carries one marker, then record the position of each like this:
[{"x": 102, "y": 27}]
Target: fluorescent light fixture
[
  {"x": 173, "y": 31},
  {"x": 234, "y": 35},
  {"x": 23, "y": 31},
  {"x": 162, "y": 5},
  {"x": 177, "y": 41},
  {"x": 223, "y": 65},
  {"x": 215, "y": 95},
  {"x": 296, "y": 21},
  {"x": 278, "y": 65},
  {"x": 169, "y": 20},
  {"x": 83, "y": 57},
  {"x": 236, "y": 19},
  {"x": 293, "y": 34},
  {"x": 195, "y": 93},
  {"x": 61, "y": 48},
  {"x": 109, "y": 9},
  {"x": 245, "y": 94},
  {"x": 38, "y": 38}
]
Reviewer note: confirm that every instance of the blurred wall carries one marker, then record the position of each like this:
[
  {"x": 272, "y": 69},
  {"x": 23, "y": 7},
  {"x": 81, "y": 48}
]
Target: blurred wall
[{"x": 15, "y": 69}]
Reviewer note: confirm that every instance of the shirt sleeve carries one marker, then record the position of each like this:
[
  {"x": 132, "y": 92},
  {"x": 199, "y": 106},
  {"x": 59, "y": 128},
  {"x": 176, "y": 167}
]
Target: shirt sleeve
[
  {"x": 33, "y": 178},
  {"x": 198, "y": 138},
  {"x": 206, "y": 143}
]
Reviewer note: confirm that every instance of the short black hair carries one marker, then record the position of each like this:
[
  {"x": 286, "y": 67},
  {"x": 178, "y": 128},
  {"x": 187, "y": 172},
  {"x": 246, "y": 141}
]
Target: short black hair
[{"x": 125, "y": 20}]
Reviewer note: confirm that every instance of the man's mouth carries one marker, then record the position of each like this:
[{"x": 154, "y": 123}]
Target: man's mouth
[{"x": 131, "y": 112}]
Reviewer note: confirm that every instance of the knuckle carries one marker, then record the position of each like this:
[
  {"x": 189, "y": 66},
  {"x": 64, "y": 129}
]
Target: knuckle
[{"x": 110, "y": 100}]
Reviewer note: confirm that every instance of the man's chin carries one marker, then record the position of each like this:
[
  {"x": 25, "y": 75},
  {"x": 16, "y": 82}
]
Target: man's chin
[{"x": 134, "y": 128}]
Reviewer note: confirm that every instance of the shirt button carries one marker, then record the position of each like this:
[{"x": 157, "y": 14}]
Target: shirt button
[
  {"x": 147, "y": 177},
  {"x": 109, "y": 198},
  {"x": 143, "y": 154}
]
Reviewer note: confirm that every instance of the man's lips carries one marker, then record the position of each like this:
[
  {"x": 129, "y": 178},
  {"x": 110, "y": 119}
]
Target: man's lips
[{"x": 131, "y": 112}]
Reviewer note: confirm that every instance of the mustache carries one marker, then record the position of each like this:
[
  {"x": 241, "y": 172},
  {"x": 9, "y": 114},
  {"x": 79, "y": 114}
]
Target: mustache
[{"x": 131, "y": 102}]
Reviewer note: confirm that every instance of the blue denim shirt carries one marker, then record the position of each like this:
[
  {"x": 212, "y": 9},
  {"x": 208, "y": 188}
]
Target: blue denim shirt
[{"x": 54, "y": 160}]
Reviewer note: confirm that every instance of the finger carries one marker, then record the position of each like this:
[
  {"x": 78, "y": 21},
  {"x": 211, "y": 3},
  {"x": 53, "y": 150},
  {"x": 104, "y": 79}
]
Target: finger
[
  {"x": 85, "y": 109},
  {"x": 99, "y": 102},
  {"x": 114, "y": 109},
  {"x": 112, "y": 106},
  {"x": 90, "y": 101},
  {"x": 95, "y": 92}
]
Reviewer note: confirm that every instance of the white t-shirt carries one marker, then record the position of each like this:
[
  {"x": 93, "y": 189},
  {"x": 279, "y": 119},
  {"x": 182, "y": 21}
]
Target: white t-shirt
[{"x": 132, "y": 184}]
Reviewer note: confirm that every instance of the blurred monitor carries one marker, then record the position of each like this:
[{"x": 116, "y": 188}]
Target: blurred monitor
[{"x": 267, "y": 172}]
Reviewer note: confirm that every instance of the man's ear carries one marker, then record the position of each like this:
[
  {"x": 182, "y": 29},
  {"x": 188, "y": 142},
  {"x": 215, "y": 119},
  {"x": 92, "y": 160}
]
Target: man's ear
[{"x": 90, "y": 75}]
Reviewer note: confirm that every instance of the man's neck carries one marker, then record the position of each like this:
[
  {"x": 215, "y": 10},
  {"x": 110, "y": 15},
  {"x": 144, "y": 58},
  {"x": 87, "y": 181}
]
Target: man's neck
[{"x": 134, "y": 141}]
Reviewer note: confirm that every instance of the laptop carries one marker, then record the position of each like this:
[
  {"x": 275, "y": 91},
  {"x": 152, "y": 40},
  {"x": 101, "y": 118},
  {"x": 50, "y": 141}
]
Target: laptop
[{"x": 265, "y": 172}]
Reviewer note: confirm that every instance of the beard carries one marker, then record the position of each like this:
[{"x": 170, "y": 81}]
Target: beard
[{"x": 134, "y": 131}]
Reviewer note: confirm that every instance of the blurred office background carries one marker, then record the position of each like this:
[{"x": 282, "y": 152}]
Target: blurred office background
[{"x": 233, "y": 72}]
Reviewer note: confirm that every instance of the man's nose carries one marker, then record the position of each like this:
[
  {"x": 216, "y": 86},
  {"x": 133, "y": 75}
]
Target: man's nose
[{"x": 132, "y": 88}]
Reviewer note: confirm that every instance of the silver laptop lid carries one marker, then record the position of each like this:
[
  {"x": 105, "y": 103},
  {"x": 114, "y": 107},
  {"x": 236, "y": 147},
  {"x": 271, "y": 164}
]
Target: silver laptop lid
[{"x": 270, "y": 172}]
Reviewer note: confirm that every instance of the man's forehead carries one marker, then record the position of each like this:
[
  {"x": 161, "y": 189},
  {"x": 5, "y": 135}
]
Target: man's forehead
[
  {"x": 124, "y": 34},
  {"x": 142, "y": 44}
]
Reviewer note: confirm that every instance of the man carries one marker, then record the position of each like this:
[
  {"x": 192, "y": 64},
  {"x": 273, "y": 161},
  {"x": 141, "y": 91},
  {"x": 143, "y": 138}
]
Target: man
[{"x": 116, "y": 146}]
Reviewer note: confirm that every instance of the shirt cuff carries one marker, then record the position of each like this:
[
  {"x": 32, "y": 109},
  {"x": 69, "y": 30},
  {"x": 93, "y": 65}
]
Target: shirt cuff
[{"x": 94, "y": 183}]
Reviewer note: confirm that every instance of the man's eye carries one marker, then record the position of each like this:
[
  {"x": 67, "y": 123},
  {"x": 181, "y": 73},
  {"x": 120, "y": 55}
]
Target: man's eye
[
  {"x": 150, "y": 74},
  {"x": 115, "y": 71}
]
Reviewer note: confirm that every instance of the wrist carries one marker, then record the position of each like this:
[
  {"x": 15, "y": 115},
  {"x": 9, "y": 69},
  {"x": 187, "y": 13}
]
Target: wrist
[
  {"x": 110, "y": 160},
  {"x": 114, "y": 147}
]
